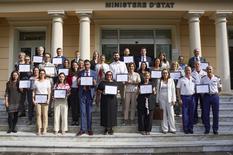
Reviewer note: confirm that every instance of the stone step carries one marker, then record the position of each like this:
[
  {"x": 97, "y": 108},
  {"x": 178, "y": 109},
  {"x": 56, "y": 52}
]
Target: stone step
[{"x": 117, "y": 143}]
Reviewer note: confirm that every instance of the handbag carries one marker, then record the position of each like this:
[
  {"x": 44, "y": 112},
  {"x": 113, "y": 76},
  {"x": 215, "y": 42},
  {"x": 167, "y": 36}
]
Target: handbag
[{"x": 158, "y": 113}]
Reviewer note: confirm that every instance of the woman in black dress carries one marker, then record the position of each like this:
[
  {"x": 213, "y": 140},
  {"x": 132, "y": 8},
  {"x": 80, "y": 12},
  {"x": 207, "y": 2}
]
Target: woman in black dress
[
  {"x": 12, "y": 100},
  {"x": 146, "y": 103},
  {"x": 108, "y": 107}
]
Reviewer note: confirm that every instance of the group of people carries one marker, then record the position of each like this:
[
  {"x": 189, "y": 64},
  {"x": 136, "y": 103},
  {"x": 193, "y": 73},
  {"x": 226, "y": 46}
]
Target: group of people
[{"x": 55, "y": 86}]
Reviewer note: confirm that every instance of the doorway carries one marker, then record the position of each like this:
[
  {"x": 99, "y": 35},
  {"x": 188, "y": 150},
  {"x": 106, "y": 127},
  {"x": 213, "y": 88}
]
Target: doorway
[{"x": 136, "y": 48}]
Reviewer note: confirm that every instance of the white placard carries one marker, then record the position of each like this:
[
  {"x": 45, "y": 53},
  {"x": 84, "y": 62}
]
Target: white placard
[
  {"x": 24, "y": 84},
  {"x": 122, "y": 77},
  {"x": 202, "y": 88},
  {"x": 128, "y": 59},
  {"x": 50, "y": 70},
  {"x": 37, "y": 59},
  {"x": 24, "y": 68},
  {"x": 203, "y": 65},
  {"x": 145, "y": 89},
  {"x": 64, "y": 70},
  {"x": 41, "y": 98},
  {"x": 60, "y": 93},
  {"x": 175, "y": 75},
  {"x": 147, "y": 63},
  {"x": 86, "y": 81},
  {"x": 57, "y": 61},
  {"x": 110, "y": 90},
  {"x": 156, "y": 74}
]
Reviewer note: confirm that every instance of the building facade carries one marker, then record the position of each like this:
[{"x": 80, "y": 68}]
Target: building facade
[{"x": 174, "y": 27}]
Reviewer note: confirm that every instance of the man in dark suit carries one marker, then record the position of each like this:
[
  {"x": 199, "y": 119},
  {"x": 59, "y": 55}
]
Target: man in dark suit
[
  {"x": 143, "y": 58},
  {"x": 86, "y": 99},
  {"x": 77, "y": 57},
  {"x": 60, "y": 55},
  {"x": 195, "y": 58}
]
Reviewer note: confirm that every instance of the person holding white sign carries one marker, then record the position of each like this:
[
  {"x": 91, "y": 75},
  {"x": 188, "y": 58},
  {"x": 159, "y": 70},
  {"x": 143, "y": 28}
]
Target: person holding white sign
[
  {"x": 118, "y": 67},
  {"x": 61, "y": 105},
  {"x": 166, "y": 97},
  {"x": 197, "y": 74},
  {"x": 145, "y": 107},
  {"x": 42, "y": 86},
  {"x": 108, "y": 106},
  {"x": 47, "y": 63},
  {"x": 12, "y": 99},
  {"x": 211, "y": 99},
  {"x": 39, "y": 53},
  {"x": 60, "y": 55},
  {"x": 131, "y": 93},
  {"x": 87, "y": 93},
  {"x": 164, "y": 63}
]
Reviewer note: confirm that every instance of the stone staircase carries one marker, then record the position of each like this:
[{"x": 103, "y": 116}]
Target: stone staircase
[{"x": 126, "y": 140}]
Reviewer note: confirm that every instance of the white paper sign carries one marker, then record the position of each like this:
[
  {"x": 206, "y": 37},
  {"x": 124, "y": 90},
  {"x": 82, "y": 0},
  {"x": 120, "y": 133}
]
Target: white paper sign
[
  {"x": 24, "y": 84},
  {"x": 147, "y": 63},
  {"x": 57, "y": 61},
  {"x": 37, "y": 59},
  {"x": 50, "y": 70},
  {"x": 175, "y": 75},
  {"x": 111, "y": 90},
  {"x": 202, "y": 88},
  {"x": 122, "y": 77},
  {"x": 24, "y": 68},
  {"x": 145, "y": 89},
  {"x": 156, "y": 74},
  {"x": 64, "y": 70},
  {"x": 60, "y": 93},
  {"x": 203, "y": 65},
  {"x": 41, "y": 98},
  {"x": 128, "y": 59},
  {"x": 86, "y": 81}
]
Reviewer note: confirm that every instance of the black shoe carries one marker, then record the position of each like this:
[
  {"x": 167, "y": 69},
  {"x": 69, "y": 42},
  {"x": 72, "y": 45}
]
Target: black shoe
[
  {"x": 191, "y": 131},
  {"x": 8, "y": 131},
  {"x": 22, "y": 114},
  {"x": 186, "y": 132},
  {"x": 80, "y": 133},
  {"x": 14, "y": 131},
  {"x": 105, "y": 131},
  {"x": 164, "y": 132},
  {"x": 206, "y": 132},
  {"x": 215, "y": 132},
  {"x": 110, "y": 132},
  {"x": 73, "y": 123},
  {"x": 90, "y": 133}
]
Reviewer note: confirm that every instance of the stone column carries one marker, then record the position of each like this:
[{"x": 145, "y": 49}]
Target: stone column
[
  {"x": 84, "y": 33},
  {"x": 57, "y": 30},
  {"x": 222, "y": 49},
  {"x": 194, "y": 30}
]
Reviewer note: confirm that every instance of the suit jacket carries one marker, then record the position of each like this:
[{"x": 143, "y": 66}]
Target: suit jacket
[
  {"x": 138, "y": 59},
  {"x": 193, "y": 59},
  {"x": 92, "y": 88}
]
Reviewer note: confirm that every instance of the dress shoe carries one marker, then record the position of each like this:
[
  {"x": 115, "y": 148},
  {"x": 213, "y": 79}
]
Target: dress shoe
[
  {"x": 8, "y": 131},
  {"x": 215, "y": 132},
  {"x": 206, "y": 132},
  {"x": 164, "y": 132},
  {"x": 142, "y": 133},
  {"x": 191, "y": 131},
  {"x": 111, "y": 132},
  {"x": 186, "y": 132},
  {"x": 80, "y": 133},
  {"x": 90, "y": 133},
  {"x": 73, "y": 123},
  {"x": 14, "y": 131},
  {"x": 173, "y": 132},
  {"x": 105, "y": 131},
  {"x": 22, "y": 114}
]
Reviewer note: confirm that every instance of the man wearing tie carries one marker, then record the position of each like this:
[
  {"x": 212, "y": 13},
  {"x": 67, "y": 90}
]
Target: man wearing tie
[
  {"x": 143, "y": 58},
  {"x": 86, "y": 99},
  {"x": 196, "y": 57}
]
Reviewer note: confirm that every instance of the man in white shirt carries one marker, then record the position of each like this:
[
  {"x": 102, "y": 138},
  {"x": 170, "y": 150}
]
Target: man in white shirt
[
  {"x": 211, "y": 99},
  {"x": 185, "y": 91},
  {"x": 118, "y": 67},
  {"x": 197, "y": 74}
]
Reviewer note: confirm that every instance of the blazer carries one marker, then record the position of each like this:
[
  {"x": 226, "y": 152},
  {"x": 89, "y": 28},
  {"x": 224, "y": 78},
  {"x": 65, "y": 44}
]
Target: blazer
[
  {"x": 92, "y": 88},
  {"x": 192, "y": 61},
  {"x": 171, "y": 91},
  {"x": 138, "y": 59}
]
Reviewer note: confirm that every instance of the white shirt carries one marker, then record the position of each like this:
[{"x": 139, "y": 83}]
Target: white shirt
[
  {"x": 214, "y": 83},
  {"x": 197, "y": 76},
  {"x": 186, "y": 86},
  {"x": 118, "y": 67},
  {"x": 42, "y": 87}
]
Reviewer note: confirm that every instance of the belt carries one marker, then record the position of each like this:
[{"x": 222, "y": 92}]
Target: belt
[{"x": 215, "y": 94}]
